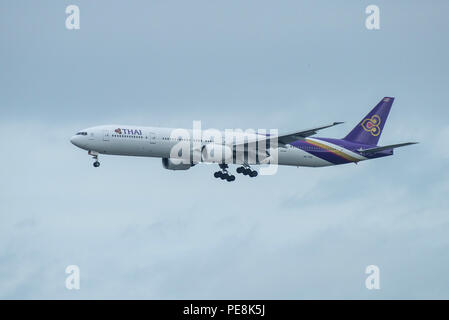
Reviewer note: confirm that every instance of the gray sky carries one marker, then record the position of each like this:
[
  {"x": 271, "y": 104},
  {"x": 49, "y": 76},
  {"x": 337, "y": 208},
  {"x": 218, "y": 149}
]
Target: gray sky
[{"x": 139, "y": 231}]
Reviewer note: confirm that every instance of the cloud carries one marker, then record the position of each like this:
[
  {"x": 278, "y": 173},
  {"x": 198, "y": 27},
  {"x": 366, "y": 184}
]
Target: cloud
[{"x": 138, "y": 231}]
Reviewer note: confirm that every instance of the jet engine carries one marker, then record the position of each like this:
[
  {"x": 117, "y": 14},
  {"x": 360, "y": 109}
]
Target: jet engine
[{"x": 170, "y": 165}]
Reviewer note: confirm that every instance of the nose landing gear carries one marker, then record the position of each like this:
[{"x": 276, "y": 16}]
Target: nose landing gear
[
  {"x": 246, "y": 171},
  {"x": 95, "y": 157},
  {"x": 224, "y": 174}
]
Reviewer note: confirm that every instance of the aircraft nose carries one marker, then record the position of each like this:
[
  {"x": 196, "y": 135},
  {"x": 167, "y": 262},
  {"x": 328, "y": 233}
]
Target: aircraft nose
[{"x": 75, "y": 140}]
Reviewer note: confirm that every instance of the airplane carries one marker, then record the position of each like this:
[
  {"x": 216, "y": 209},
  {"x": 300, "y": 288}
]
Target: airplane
[{"x": 291, "y": 149}]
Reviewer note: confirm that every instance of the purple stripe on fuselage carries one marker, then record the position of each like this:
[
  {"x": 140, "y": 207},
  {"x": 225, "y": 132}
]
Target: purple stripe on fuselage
[{"x": 319, "y": 152}]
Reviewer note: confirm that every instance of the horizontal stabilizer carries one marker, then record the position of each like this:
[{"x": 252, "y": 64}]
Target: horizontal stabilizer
[{"x": 377, "y": 149}]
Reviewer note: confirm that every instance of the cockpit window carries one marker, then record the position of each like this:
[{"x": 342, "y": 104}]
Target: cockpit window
[{"x": 83, "y": 133}]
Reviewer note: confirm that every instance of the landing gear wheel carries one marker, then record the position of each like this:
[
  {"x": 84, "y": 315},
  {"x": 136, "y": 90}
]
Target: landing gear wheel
[
  {"x": 247, "y": 171},
  {"x": 96, "y": 164},
  {"x": 224, "y": 174}
]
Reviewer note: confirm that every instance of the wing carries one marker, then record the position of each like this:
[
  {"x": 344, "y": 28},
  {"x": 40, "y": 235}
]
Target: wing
[
  {"x": 377, "y": 149},
  {"x": 294, "y": 136},
  {"x": 290, "y": 137}
]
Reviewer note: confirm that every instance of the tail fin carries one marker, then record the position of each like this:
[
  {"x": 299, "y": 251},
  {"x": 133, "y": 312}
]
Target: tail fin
[{"x": 368, "y": 131}]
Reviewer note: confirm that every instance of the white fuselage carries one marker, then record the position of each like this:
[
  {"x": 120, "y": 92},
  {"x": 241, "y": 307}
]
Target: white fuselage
[{"x": 159, "y": 142}]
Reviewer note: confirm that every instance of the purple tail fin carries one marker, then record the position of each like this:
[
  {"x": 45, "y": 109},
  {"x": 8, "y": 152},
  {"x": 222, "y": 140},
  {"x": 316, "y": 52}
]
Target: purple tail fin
[{"x": 368, "y": 131}]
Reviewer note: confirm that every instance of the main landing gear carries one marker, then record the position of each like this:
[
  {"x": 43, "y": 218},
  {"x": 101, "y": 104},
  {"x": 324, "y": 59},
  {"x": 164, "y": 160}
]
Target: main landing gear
[
  {"x": 246, "y": 171},
  {"x": 223, "y": 174},
  {"x": 95, "y": 157}
]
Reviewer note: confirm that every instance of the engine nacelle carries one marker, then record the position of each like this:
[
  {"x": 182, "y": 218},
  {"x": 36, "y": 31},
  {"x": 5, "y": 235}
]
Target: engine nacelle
[
  {"x": 170, "y": 165},
  {"x": 216, "y": 153}
]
